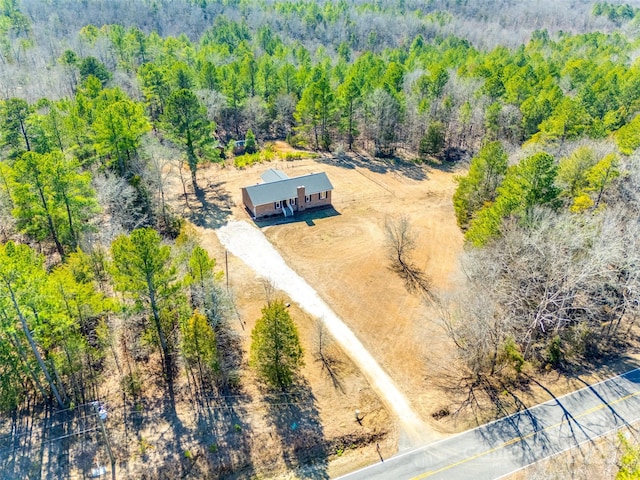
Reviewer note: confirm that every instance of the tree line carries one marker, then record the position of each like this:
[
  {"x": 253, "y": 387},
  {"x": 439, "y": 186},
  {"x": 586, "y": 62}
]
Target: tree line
[
  {"x": 58, "y": 324},
  {"x": 551, "y": 268},
  {"x": 429, "y": 96},
  {"x": 81, "y": 168},
  {"x": 148, "y": 304},
  {"x": 439, "y": 94}
]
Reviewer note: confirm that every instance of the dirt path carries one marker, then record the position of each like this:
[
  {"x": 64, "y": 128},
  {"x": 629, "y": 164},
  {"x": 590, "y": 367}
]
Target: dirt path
[{"x": 250, "y": 245}]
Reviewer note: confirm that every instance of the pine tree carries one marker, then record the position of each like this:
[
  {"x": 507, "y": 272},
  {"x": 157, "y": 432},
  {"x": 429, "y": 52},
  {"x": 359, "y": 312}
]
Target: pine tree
[
  {"x": 250, "y": 142},
  {"x": 478, "y": 187},
  {"x": 22, "y": 277},
  {"x": 187, "y": 123},
  {"x": 199, "y": 346},
  {"x": 142, "y": 268},
  {"x": 527, "y": 185},
  {"x": 276, "y": 354},
  {"x": 53, "y": 199}
]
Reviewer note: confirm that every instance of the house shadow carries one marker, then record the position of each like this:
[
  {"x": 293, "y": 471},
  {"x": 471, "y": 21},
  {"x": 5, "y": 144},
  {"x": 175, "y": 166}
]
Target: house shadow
[
  {"x": 308, "y": 217},
  {"x": 211, "y": 207},
  {"x": 296, "y": 419}
]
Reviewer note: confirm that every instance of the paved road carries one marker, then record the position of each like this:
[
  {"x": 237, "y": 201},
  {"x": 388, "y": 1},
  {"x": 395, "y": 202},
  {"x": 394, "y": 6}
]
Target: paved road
[{"x": 506, "y": 445}]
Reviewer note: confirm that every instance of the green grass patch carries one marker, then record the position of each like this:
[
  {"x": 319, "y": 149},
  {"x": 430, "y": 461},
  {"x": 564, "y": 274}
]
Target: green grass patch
[
  {"x": 268, "y": 155},
  {"x": 290, "y": 156}
]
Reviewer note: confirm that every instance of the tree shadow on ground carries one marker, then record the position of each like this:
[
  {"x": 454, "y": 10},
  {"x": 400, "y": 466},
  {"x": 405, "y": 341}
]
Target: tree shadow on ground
[
  {"x": 41, "y": 441},
  {"x": 228, "y": 439},
  {"x": 526, "y": 432},
  {"x": 609, "y": 365},
  {"x": 225, "y": 416},
  {"x": 211, "y": 207},
  {"x": 23, "y": 442},
  {"x": 451, "y": 159},
  {"x": 478, "y": 393},
  {"x": 154, "y": 422},
  {"x": 522, "y": 425},
  {"x": 353, "y": 160},
  {"x": 296, "y": 419}
]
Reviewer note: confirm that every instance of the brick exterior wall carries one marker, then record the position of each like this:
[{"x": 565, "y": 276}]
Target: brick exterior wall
[
  {"x": 247, "y": 201},
  {"x": 268, "y": 209},
  {"x": 259, "y": 211}
]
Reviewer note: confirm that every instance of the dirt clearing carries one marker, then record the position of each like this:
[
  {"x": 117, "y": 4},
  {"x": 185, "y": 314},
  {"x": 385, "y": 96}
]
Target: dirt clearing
[
  {"x": 340, "y": 254},
  {"x": 249, "y": 244}
]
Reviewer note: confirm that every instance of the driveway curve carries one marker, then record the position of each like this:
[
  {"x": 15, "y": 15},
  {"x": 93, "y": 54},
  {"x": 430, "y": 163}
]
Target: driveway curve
[{"x": 252, "y": 247}]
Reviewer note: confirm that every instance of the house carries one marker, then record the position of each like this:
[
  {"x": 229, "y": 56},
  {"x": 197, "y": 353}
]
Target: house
[{"x": 281, "y": 195}]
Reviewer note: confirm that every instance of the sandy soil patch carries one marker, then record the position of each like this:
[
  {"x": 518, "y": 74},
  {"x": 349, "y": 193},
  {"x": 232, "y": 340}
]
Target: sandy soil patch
[
  {"x": 341, "y": 254},
  {"x": 249, "y": 244}
]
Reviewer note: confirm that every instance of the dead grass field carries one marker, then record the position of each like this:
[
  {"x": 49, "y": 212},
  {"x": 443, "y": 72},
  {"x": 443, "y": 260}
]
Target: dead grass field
[
  {"x": 345, "y": 259},
  {"x": 341, "y": 254}
]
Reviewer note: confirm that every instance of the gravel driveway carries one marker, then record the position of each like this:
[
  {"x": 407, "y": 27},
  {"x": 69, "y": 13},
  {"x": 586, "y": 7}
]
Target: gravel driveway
[{"x": 251, "y": 246}]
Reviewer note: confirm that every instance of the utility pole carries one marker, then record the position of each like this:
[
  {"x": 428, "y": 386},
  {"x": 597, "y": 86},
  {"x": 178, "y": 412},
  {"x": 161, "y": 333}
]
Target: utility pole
[
  {"x": 100, "y": 413},
  {"x": 226, "y": 267}
]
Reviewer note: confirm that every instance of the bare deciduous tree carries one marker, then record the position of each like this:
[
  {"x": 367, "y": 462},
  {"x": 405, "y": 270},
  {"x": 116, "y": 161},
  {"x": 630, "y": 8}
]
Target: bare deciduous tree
[
  {"x": 323, "y": 353},
  {"x": 269, "y": 290},
  {"x": 400, "y": 242},
  {"x": 559, "y": 289},
  {"x": 121, "y": 208}
]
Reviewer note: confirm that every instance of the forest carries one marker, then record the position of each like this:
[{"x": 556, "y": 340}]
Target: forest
[{"x": 536, "y": 104}]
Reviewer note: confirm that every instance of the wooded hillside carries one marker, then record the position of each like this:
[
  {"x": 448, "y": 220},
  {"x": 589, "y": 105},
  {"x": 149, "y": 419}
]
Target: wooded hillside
[{"x": 539, "y": 100}]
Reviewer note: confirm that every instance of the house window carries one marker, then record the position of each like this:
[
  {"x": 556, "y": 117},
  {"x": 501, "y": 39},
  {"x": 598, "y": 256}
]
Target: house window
[
  {"x": 323, "y": 195},
  {"x": 276, "y": 205},
  {"x": 307, "y": 199},
  {"x": 293, "y": 201}
]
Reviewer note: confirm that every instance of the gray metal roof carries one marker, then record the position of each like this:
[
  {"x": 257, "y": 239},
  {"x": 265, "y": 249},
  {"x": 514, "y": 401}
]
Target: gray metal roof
[
  {"x": 273, "y": 175},
  {"x": 276, "y": 191}
]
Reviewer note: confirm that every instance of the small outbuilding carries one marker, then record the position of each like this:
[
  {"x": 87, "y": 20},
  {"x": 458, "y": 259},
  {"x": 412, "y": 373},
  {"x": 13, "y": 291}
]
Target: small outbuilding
[{"x": 281, "y": 195}]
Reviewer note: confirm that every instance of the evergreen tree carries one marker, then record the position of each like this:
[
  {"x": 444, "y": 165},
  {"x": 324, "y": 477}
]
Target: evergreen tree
[
  {"x": 53, "y": 199},
  {"x": 199, "y": 346},
  {"x": 187, "y": 124},
  {"x": 527, "y": 185},
  {"x": 250, "y": 142},
  {"x": 22, "y": 278},
  {"x": 91, "y": 66},
  {"x": 315, "y": 110},
  {"x": 14, "y": 113},
  {"x": 143, "y": 269},
  {"x": 478, "y": 187},
  {"x": 118, "y": 130},
  {"x": 276, "y": 354},
  {"x": 433, "y": 141}
]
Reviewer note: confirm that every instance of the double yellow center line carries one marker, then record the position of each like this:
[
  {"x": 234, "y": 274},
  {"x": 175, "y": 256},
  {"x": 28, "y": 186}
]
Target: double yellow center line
[{"x": 524, "y": 437}]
